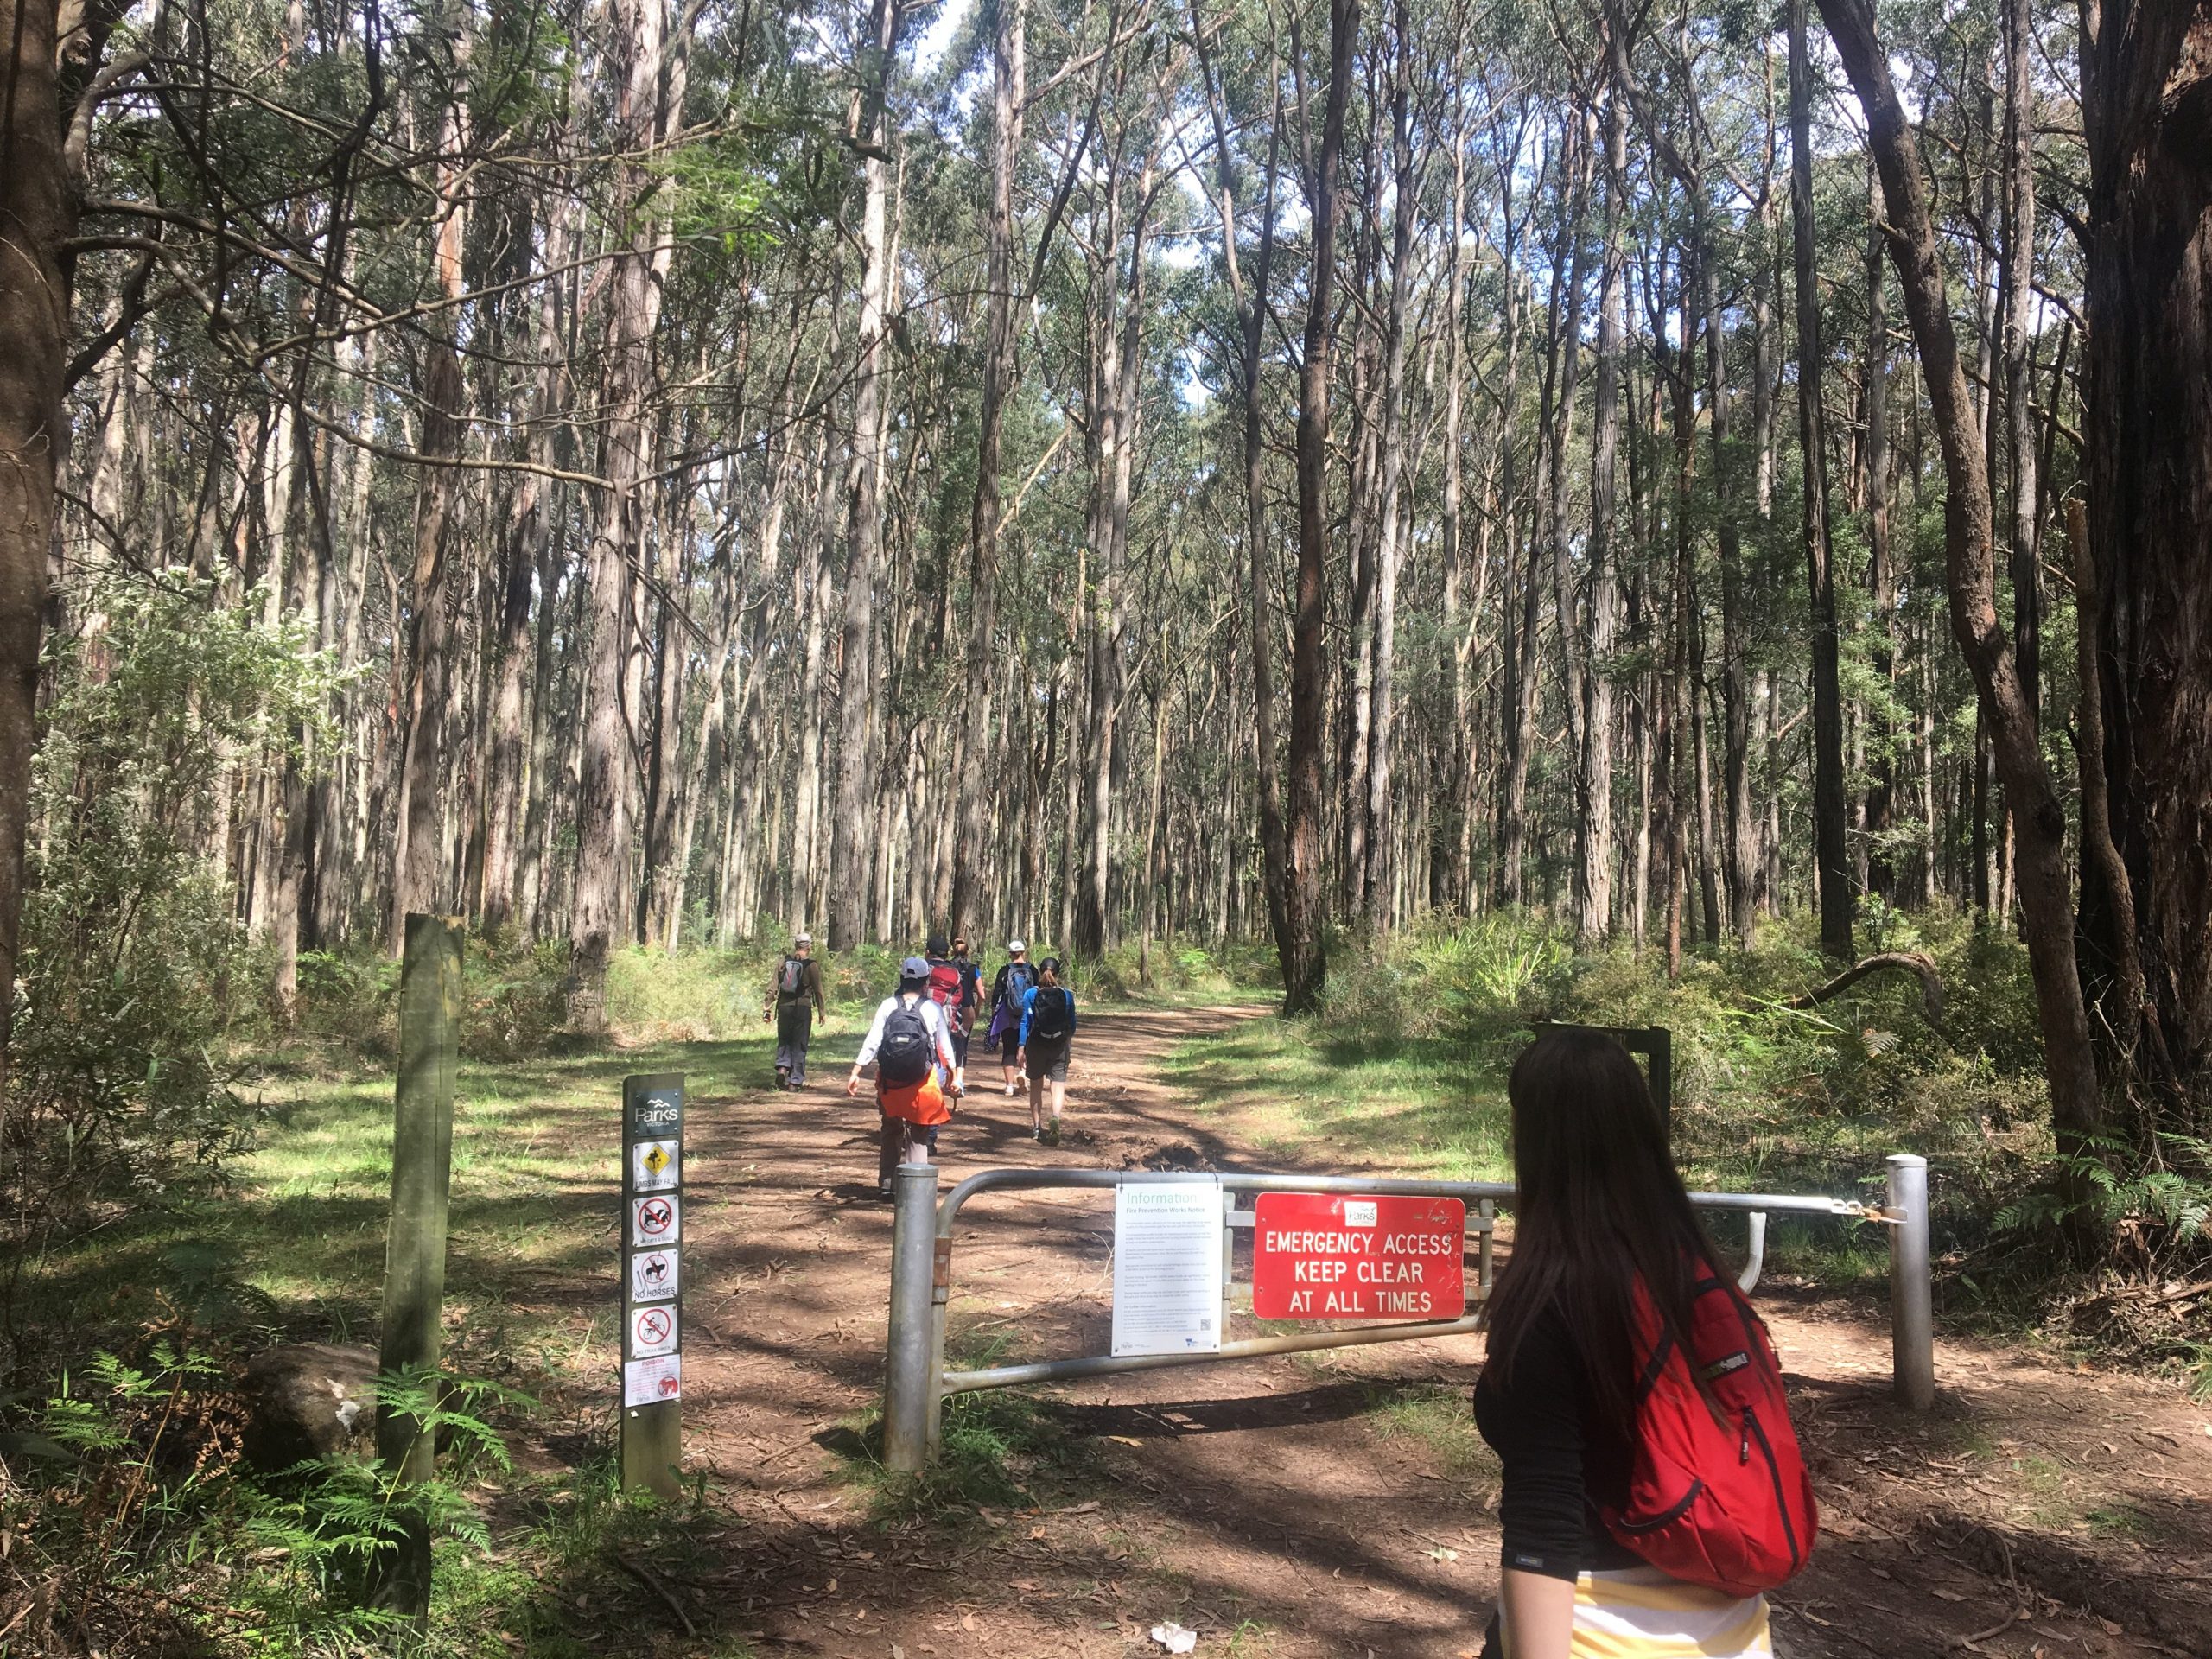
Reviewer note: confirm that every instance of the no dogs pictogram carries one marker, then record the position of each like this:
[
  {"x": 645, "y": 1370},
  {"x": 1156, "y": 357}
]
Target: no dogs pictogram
[{"x": 654, "y": 1220}]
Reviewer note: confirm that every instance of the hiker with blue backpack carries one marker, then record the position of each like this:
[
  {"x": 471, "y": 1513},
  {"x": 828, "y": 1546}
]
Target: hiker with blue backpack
[
  {"x": 1047, "y": 1032},
  {"x": 916, "y": 1075},
  {"x": 1007, "y": 990},
  {"x": 1652, "y": 1490}
]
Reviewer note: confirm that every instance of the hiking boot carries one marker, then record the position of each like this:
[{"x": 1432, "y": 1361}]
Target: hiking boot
[
  {"x": 1051, "y": 1137},
  {"x": 783, "y": 1076},
  {"x": 1037, "y": 1134}
]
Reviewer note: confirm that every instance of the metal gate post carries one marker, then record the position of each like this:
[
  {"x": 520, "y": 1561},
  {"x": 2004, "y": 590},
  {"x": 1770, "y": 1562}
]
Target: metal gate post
[
  {"x": 1912, "y": 1317},
  {"x": 909, "y": 1388}
]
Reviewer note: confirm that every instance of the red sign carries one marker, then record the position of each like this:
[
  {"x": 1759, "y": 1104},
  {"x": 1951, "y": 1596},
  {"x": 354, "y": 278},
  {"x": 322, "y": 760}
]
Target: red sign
[{"x": 1317, "y": 1256}]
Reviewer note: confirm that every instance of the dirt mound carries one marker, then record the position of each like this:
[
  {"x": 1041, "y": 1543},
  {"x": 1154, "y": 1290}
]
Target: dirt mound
[{"x": 1173, "y": 1157}]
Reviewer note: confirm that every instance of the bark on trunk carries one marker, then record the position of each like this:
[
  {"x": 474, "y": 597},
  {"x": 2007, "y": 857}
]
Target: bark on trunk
[
  {"x": 1305, "y": 967},
  {"x": 1831, "y": 850},
  {"x": 849, "y": 834},
  {"x": 603, "y": 830},
  {"x": 2148, "y": 431}
]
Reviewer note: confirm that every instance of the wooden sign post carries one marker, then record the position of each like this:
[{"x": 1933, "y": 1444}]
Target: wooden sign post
[{"x": 652, "y": 1282}]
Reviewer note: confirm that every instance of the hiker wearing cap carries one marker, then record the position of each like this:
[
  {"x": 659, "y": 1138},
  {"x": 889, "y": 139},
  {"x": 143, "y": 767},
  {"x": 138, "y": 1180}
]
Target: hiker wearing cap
[
  {"x": 794, "y": 1000},
  {"x": 910, "y": 1043},
  {"x": 1047, "y": 1031},
  {"x": 1012, "y": 983}
]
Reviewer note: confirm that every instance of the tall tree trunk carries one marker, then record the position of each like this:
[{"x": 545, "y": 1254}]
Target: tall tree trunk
[
  {"x": 1594, "y": 835},
  {"x": 2046, "y": 902},
  {"x": 1376, "y": 905},
  {"x": 1830, "y": 845},
  {"x": 1305, "y": 967},
  {"x": 971, "y": 848},
  {"x": 1881, "y": 577},
  {"x": 2147, "y": 97},
  {"x": 849, "y": 832},
  {"x": 38, "y": 214},
  {"x": 1252, "y": 313},
  {"x": 637, "y": 39}
]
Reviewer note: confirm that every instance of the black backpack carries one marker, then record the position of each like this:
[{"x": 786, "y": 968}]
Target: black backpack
[
  {"x": 907, "y": 1049},
  {"x": 1053, "y": 1020},
  {"x": 1020, "y": 976},
  {"x": 794, "y": 979}
]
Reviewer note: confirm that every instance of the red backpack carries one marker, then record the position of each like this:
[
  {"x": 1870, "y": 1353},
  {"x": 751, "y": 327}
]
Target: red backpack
[
  {"x": 1717, "y": 1499},
  {"x": 947, "y": 991}
]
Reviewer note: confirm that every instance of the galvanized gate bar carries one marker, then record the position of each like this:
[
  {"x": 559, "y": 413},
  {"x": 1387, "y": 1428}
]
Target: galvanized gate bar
[{"x": 922, "y": 1255}]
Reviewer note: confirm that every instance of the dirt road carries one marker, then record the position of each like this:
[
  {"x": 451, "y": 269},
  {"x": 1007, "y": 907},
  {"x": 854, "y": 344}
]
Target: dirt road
[{"x": 1320, "y": 1506}]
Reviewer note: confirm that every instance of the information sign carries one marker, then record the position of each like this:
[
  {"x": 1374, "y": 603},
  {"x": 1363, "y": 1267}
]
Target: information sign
[
  {"x": 1168, "y": 1266},
  {"x": 1315, "y": 1257},
  {"x": 651, "y": 1383},
  {"x": 652, "y": 1275}
]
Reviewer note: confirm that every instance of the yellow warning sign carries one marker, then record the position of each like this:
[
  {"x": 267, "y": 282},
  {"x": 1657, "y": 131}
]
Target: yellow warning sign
[{"x": 653, "y": 1166}]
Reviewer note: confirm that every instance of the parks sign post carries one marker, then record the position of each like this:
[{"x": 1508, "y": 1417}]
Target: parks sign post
[{"x": 652, "y": 1281}]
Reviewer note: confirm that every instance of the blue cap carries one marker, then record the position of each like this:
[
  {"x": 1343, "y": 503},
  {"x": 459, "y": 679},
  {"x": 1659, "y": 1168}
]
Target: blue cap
[{"x": 913, "y": 968}]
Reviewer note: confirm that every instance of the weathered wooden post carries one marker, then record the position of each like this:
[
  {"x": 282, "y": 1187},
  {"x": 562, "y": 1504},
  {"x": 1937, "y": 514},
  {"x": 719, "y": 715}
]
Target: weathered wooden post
[{"x": 415, "y": 1251}]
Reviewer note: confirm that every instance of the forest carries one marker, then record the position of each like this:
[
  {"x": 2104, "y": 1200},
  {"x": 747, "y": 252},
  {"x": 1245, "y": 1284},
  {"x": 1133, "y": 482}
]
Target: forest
[
  {"x": 1453, "y": 513},
  {"x": 630, "y": 474}
]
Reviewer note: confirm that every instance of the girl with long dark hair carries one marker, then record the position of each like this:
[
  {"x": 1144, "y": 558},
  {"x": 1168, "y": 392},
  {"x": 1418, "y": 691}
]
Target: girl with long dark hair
[{"x": 1611, "y": 1283}]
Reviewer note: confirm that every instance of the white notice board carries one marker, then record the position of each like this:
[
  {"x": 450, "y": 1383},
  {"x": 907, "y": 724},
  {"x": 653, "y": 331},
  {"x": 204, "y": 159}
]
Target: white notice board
[{"x": 1167, "y": 1268}]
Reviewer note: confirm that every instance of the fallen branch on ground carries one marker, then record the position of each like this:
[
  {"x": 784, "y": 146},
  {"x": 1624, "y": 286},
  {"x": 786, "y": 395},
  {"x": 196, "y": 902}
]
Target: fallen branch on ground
[{"x": 1919, "y": 963}]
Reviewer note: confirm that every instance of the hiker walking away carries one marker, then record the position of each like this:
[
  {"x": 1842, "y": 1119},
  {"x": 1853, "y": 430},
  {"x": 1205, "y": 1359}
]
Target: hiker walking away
[
  {"x": 917, "y": 1077},
  {"x": 971, "y": 997},
  {"x": 1652, "y": 1489},
  {"x": 949, "y": 990},
  {"x": 1015, "y": 978},
  {"x": 794, "y": 1002},
  {"x": 1047, "y": 1032}
]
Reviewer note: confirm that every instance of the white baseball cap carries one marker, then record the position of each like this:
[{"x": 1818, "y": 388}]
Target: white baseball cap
[{"x": 1016, "y": 946}]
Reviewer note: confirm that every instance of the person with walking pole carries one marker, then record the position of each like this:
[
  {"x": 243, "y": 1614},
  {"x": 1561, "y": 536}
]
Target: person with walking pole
[
  {"x": 1047, "y": 1032},
  {"x": 794, "y": 1000},
  {"x": 916, "y": 1075},
  {"x": 1652, "y": 1489}
]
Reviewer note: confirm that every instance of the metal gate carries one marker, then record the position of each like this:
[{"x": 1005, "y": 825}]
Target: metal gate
[{"x": 916, "y": 1382}]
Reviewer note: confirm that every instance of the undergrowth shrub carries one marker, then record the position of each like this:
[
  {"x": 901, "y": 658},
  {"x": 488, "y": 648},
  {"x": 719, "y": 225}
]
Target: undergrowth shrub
[
  {"x": 136, "y": 1528},
  {"x": 138, "y": 981}
]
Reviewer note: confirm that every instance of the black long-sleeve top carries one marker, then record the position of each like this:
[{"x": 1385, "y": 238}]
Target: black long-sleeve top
[{"x": 1558, "y": 1462}]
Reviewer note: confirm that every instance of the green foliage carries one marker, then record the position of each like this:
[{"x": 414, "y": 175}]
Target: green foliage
[
  {"x": 141, "y": 1506},
  {"x": 136, "y": 970}
]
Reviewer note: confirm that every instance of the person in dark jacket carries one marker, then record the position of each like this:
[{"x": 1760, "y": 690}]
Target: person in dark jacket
[
  {"x": 1600, "y": 1209},
  {"x": 794, "y": 1000}
]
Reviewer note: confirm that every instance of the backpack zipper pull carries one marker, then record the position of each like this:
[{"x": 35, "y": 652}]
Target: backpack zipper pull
[{"x": 1745, "y": 1454}]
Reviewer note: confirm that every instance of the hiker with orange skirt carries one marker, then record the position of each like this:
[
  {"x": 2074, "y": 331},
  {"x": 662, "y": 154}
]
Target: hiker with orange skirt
[{"x": 910, "y": 1042}]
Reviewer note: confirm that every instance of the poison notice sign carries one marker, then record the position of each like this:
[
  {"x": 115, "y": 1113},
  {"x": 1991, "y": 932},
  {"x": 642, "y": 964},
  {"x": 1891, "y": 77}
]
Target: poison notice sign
[{"x": 1315, "y": 1257}]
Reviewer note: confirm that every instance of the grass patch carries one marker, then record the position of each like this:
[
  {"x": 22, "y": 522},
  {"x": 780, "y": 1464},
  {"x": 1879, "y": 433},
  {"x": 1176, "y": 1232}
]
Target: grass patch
[
  {"x": 1000, "y": 1448},
  {"x": 1440, "y": 1420}
]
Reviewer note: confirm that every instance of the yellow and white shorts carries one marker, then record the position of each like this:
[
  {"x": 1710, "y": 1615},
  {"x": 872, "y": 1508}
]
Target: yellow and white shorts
[{"x": 1641, "y": 1613}]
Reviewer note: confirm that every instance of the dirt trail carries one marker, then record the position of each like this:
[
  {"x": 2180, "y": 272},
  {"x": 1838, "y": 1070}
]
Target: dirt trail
[{"x": 1317, "y": 1507}]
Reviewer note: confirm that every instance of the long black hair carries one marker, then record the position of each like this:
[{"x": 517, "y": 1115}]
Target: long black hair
[{"x": 1598, "y": 1207}]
